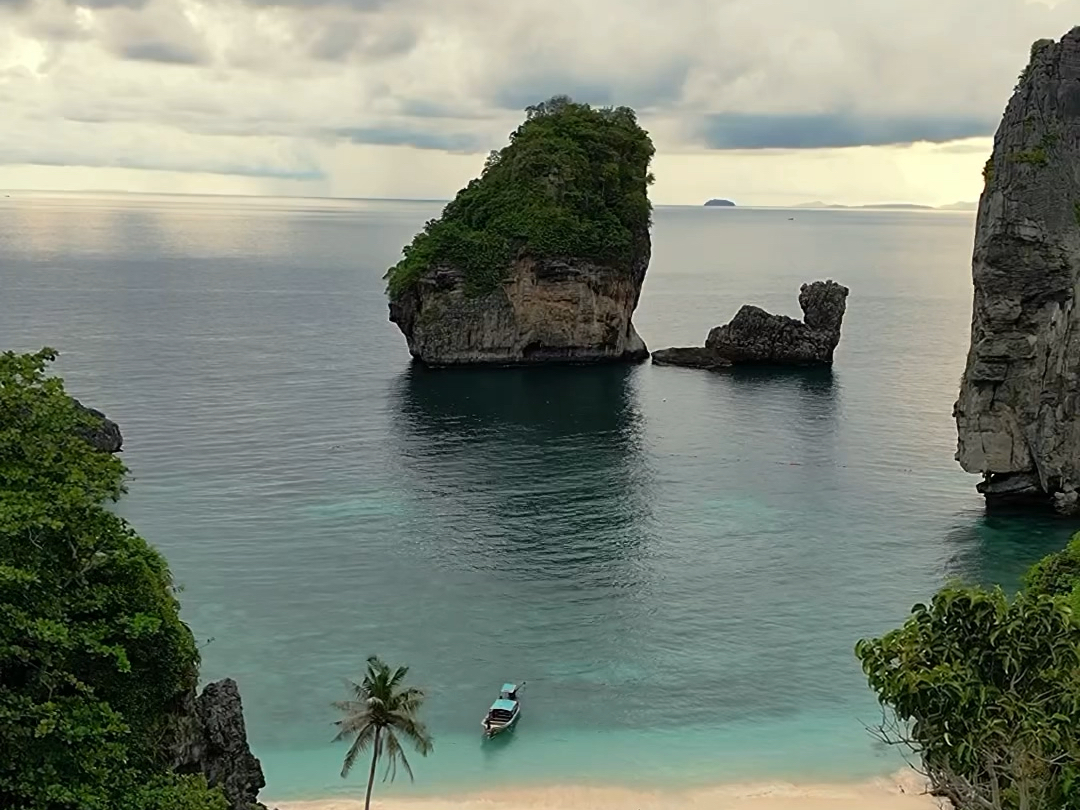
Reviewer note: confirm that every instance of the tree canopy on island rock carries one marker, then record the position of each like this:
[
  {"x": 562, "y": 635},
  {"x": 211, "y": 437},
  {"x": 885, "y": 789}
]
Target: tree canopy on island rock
[{"x": 572, "y": 182}]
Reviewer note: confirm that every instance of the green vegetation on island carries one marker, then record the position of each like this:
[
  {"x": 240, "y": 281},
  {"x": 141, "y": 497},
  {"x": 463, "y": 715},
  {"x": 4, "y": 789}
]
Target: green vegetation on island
[
  {"x": 985, "y": 690},
  {"x": 93, "y": 654},
  {"x": 380, "y": 715},
  {"x": 573, "y": 182}
]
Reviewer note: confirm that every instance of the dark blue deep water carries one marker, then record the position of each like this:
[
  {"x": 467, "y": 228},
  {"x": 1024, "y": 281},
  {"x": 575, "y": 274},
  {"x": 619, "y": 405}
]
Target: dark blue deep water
[{"x": 679, "y": 563}]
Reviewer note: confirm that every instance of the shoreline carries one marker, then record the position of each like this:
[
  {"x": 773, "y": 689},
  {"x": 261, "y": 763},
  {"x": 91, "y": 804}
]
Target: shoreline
[{"x": 903, "y": 790}]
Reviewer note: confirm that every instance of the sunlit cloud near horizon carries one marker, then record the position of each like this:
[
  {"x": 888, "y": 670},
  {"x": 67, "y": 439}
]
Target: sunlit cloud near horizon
[{"x": 767, "y": 102}]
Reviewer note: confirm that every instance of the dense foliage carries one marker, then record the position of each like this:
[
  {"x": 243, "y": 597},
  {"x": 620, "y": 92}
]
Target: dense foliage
[
  {"x": 986, "y": 690},
  {"x": 381, "y": 713},
  {"x": 571, "y": 183},
  {"x": 1058, "y": 575},
  {"x": 93, "y": 654}
]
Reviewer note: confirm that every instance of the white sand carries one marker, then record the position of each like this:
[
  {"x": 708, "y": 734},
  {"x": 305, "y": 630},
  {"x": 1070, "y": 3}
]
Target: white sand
[{"x": 904, "y": 791}]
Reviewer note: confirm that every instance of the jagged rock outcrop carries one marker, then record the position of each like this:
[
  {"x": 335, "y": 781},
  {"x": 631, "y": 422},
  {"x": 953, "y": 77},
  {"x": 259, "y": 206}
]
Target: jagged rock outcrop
[
  {"x": 1017, "y": 413},
  {"x": 209, "y": 737},
  {"x": 546, "y": 310},
  {"x": 756, "y": 337},
  {"x": 105, "y": 435}
]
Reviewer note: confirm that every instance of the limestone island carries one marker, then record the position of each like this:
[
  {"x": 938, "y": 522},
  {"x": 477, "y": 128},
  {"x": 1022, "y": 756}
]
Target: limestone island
[
  {"x": 756, "y": 337},
  {"x": 719, "y": 204},
  {"x": 1017, "y": 413},
  {"x": 541, "y": 259}
]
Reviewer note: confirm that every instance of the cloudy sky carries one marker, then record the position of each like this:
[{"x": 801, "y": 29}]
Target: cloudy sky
[{"x": 768, "y": 102}]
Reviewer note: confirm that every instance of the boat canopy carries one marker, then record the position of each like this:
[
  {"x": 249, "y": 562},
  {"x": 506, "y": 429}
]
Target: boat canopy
[
  {"x": 509, "y": 688},
  {"x": 501, "y": 705}
]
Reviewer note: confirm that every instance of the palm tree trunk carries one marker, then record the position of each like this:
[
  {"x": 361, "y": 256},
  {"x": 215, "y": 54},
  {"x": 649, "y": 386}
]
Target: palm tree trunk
[{"x": 371, "y": 773}]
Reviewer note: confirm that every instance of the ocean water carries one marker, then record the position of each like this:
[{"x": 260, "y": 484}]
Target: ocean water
[{"x": 677, "y": 563}]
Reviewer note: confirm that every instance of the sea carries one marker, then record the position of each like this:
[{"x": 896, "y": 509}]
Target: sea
[{"x": 676, "y": 564}]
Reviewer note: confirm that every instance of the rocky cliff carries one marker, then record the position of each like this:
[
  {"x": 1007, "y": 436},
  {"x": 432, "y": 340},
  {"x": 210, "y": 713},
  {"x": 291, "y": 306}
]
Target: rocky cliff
[
  {"x": 1017, "y": 413},
  {"x": 104, "y": 435},
  {"x": 540, "y": 259},
  {"x": 546, "y": 310},
  {"x": 756, "y": 337},
  {"x": 209, "y": 737}
]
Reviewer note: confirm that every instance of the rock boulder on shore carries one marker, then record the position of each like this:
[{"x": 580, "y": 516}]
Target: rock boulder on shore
[
  {"x": 756, "y": 337},
  {"x": 104, "y": 435},
  {"x": 1018, "y": 413},
  {"x": 210, "y": 738}
]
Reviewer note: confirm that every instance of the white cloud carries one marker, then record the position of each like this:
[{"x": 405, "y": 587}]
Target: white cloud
[{"x": 284, "y": 89}]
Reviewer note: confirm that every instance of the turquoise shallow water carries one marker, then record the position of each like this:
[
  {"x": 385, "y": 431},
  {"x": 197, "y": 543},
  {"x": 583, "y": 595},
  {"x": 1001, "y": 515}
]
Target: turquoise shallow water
[{"x": 678, "y": 563}]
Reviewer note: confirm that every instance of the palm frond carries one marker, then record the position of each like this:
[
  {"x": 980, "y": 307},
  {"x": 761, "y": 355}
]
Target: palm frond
[
  {"x": 408, "y": 701},
  {"x": 359, "y": 690},
  {"x": 365, "y": 737},
  {"x": 413, "y": 730},
  {"x": 394, "y": 754},
  {"x": 398, "y": 677}
]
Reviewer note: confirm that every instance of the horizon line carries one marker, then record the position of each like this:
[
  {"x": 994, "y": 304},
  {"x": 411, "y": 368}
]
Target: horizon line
[{"x": 810, "y": 205}]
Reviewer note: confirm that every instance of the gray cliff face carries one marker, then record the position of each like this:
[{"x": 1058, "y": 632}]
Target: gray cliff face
[
  {"x": 546, "y": 311},
  {"x": 105, "y": 435},
  {"x": 210, "y": 738},
  {"x": 756, "y": 337},
  {"x": 1017, "y": 413}
]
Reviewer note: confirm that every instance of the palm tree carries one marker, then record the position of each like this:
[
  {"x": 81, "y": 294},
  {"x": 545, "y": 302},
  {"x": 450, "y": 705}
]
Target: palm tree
[{"x": 378, "y": 714}]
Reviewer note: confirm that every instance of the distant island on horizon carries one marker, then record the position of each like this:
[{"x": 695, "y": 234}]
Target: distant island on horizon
[
  {"x": 717, "y": 203},
  {"x": 956, "y": 206}
]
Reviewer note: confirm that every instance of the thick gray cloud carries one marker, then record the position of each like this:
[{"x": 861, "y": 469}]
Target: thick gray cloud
[
  {"x": 239, "y": 169},
  {"x": 168, "y": 53},
  {"x": 389, "y": 136},
  {"x": 654, "y": 89},
  {"x": 356, "y": 5},
  {"x": 834, "y": 130},
  {"x": 104, "y": 4}
]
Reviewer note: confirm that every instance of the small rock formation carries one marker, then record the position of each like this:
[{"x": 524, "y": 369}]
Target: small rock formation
[
  {"x": 690, "y": 357},
  {"x": 1017, "y": 413},
  {"x": 210, "y": 738},
  {"x": 756, "y": 337},
  {"x": 105, "y": 436},
  {"x": 547, "y": 310},
  {"x": 719, "y": 204}
]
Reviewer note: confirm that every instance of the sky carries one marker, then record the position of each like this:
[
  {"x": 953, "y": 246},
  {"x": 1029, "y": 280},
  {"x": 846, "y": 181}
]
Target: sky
[{"x": 766, "y": 102}]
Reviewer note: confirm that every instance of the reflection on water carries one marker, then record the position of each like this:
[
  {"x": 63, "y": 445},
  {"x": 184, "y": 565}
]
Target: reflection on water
[
  {"x": 537, "y": 481},
  {"x": 540, "y": 471}
]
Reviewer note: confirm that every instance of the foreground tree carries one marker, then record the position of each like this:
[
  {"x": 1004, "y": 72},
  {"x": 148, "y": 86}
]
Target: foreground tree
[
  {"x": 985, "y": 691},
  {"x": 93, "y": 654},
  {"x": 1058, "y": 575},
  {"x": 379, "y": 716}
]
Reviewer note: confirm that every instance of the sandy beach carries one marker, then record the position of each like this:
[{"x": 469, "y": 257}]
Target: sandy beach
[{"x": 903, "y": 791}]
